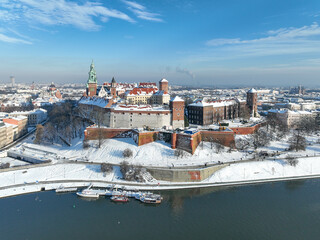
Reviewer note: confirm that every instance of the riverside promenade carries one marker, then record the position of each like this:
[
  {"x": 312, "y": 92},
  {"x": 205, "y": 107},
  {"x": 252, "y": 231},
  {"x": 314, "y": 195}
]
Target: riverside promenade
[{"x": 27, "y": 179}]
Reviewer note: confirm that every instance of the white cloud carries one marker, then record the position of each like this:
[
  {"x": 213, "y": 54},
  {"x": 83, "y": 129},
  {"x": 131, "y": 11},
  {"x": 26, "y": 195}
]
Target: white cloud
[
  {"x": 283, "y": 35},
  {"x": 284, "y": 41},
  {"x": 141, "y": 12},
  {"x": 61, "y": 12},
  {"x": 5, "y": 38}
]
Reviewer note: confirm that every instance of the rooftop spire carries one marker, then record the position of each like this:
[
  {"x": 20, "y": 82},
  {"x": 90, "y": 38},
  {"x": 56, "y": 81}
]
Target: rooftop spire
[{"x": 92, "y": 74}]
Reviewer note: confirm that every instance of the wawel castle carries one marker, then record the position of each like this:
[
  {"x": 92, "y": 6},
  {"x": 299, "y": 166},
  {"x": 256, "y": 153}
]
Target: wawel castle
[{"x": 131, "y": 105}]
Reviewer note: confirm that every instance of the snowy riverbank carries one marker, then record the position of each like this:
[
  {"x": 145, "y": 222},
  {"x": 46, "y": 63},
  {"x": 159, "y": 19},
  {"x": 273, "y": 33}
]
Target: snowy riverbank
[{"x": 81, "y": 175}]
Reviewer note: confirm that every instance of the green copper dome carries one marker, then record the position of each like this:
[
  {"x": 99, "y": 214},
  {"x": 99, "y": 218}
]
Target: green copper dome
[{"x": 92, "y": 74}]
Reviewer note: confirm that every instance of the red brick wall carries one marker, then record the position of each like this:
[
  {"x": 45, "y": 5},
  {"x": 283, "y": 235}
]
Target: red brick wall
[
  {"x": 246, "y": 130},
  {"x": 164, "y": 86},
  {"x": 92, "y": 133},
  {"x": 223, "y": 137},
  {"x": 146, "y": 137},
  {"x": 92, "y": 89},
  {"x": 174, "y": 140},
  {"x": 177, "y": 110}
]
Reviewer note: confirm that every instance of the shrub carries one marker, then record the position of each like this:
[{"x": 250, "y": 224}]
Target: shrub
[
  {"x": 4, "y": 165},
  {"x": 85, "y": 144},
  {"x": 293, "y": 162},
  {"x": 132, "y": 173},
  {"x": 106, "y": 167},
  {"x": 179, "y": 153},
  {"x": 127, "y": 153}
]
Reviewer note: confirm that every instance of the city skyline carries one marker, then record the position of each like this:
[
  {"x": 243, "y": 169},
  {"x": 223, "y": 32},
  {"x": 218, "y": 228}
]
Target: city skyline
[{"x": 197, "y": 43}]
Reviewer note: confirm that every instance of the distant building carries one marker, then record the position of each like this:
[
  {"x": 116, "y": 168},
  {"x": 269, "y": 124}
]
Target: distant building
[
  {"x": 148, "y": 93},
  {"x": 297, "y": 90},
  {"x": 35, "y": 117},
  {"x": 289, "y": 118}
]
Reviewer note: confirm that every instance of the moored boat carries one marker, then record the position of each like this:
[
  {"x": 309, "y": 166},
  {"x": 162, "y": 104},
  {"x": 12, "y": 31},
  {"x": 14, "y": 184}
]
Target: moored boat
[
  {"x": 151, "y": 198},
  {"x": 88, "y": 194},
  {"x": 91, "y": 193},
  {"x": 119, "y": 198}
]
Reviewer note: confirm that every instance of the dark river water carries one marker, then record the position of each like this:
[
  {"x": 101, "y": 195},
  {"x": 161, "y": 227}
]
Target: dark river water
[{"x": 286, "y": 210}]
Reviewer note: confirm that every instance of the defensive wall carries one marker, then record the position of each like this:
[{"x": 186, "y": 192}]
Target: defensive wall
[
  {"x": 184, "y": 141},
  {"x": 93, "y": 133},
  {"x": 247, "y": 130}
]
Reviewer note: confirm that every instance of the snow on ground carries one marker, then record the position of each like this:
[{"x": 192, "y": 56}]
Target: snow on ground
[
  {"x": 267, "y": 169},
  {"x": 13, "y": 162},
  {"x": 152, "y": 154},
  {"x": 54, "y": 173}
]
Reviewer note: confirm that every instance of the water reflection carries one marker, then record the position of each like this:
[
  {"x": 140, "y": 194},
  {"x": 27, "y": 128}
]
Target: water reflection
[{"x": 293, "y": 185}]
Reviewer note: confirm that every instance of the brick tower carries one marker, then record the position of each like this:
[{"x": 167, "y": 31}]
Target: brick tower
[
  {"x": 252, "y": 101},
  {"x": 164, "y": 85},
  {"x": 177, "y": 115},
  {"x": 113, "y": 88}
]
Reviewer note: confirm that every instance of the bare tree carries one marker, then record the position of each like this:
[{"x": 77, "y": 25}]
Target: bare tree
[
  {"x": 127, "y": 153},
  {"x": 179, "y": 153},
  {"x": 85, "y": 144},
  {"x": 245, "y": 113},
  {"x": 50, "y": 132},
  {"x": 219, "y": 147},
  {"x": 132, "y": 173},
  {"x": 99, "y": 120},
  {"x": 307, "y": 125},
  {"x": 106, "y": 167},
  {"x": 297, "y": 142},
  {"x": 39, "y": 134},
  {"x": 292, "y": 161},
  {"x": 4, "y": 165},
  {"x": 242, "y": 144},
  {"x": 261, "y": 138}
]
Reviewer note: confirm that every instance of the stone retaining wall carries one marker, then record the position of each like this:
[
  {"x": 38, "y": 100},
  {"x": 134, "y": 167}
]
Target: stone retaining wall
[{"x": 185, "y": 175}]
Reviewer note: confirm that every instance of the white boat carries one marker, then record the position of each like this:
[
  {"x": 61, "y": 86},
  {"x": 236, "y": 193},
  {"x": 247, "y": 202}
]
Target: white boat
[
  {"x": 91, "y": 193},
  {"x": 151, "y": 198},
  {"x": 88, "y": 193}
]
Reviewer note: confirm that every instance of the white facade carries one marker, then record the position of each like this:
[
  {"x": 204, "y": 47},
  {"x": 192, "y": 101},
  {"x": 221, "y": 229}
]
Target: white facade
[{"x": 35, "y": 117}]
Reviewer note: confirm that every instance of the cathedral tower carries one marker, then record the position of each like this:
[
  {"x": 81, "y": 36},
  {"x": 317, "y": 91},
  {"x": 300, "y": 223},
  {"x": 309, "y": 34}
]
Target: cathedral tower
[{"x": 92, "y": 82}]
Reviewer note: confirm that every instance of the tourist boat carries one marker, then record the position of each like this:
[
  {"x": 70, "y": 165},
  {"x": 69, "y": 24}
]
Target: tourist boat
[
  {"x": 88, "y": 193},
  {"x": 119, "y": 198},
  {"x": 91, "y": 193},
  {"x": 151, "y": 198}
]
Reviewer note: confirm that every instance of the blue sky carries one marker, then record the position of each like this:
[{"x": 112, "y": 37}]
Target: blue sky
[{"x": 203, "y": 42}]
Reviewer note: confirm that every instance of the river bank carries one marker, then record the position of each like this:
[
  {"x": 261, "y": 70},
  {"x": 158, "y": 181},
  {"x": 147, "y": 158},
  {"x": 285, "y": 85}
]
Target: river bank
[{"x": 79, "y": 175}]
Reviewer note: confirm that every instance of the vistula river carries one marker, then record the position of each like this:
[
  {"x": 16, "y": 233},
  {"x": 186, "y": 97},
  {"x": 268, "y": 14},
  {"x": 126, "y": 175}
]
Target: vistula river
[{"x": 284, "y": 210}]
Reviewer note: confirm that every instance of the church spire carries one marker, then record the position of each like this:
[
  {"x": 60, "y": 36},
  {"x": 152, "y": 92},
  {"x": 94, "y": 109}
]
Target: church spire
[
  {"x": 92, "y": 81},
  {"x": 92, "y": 74}
]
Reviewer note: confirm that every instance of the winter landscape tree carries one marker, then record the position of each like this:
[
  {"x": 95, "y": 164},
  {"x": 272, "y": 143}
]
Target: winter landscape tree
[{"x": 297, "y": 142}]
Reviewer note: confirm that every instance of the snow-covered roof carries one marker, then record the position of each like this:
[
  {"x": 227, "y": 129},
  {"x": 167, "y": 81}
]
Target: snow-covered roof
[
  {"x": 252, "y": 90},
  {"x": 163, "y": 80},
  {"x": 177, "y": 99},
  {"x": 161, "y": 93},
  {"x": 97, "y": 101},
  {"x": 213, "y": 104},
  {"x": 122, "y": 107}
]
